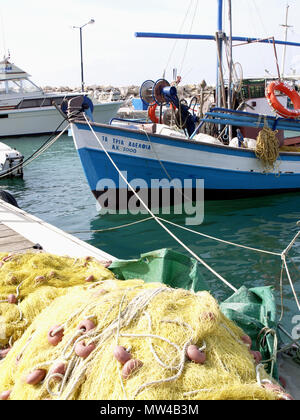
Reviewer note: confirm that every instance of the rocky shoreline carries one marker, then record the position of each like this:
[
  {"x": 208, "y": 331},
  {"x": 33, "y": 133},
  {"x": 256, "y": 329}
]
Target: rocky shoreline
[{"x": 101, "y": 93}]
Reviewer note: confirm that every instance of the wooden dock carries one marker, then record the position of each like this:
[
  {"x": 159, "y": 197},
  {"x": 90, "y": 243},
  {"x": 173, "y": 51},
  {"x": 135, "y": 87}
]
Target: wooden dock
[
  {"x": 11, "y": 241},
  {"x": 22, "y": 232}
]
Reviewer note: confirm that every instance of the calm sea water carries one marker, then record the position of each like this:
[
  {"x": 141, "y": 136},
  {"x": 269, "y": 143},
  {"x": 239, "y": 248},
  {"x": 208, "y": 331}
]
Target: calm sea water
[{"x": 54, "y": 188}]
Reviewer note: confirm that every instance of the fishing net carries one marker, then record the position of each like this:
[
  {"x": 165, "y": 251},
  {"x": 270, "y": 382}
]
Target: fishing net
[
  {"x": 113, "y": 339},
  {"x": 267, "y": 147},
  {"x": 29, "y": 282}
]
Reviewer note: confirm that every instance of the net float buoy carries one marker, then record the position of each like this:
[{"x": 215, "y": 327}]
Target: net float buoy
[
  {"x": 257, "y": 356},
  {"x": 207, "y": 316},
  {"x": 51, "y": 274},
  {"x": 4, "y": 352},
  {"x": 12, "y": 299},
  {"x": 60, "y": 369},
  {"x": 86, "y": 325},
  {"x": 7, "y": 258},
  {"x": 40, "y": 279},
  {"x": 106, "y": 264},
  {"x": 130, "y": 367},
  {"x": 195, "y": 355},
  {"x": 13, "y": 280},
  {"x": 89, "y": 278},
  {"x": 247, "y": 340},
  {"x": 100, "y": 292},
  {"x": 83, "y": 350},
  {"x": 121, "y": 354},
  {"x": 5, "y": 395},
  {"x": 36, "y": 376},
  {"x": 55, "y": 335}
]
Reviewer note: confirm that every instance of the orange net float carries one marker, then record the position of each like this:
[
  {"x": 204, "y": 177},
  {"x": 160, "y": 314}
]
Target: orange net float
[{"x": 277, "y": 106}]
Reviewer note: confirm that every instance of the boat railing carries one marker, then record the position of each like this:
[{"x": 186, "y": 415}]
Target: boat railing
[{"x": 223, "y": 116}]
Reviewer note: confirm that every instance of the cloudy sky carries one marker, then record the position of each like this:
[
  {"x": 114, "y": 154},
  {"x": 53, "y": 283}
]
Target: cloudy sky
[{"x": 41, "y": 40}]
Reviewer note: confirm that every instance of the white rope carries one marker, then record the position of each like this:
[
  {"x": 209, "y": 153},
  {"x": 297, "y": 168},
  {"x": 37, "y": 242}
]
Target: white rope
[
  {"x": 157, "y": 219},
  {"x": 220, "y": 240},
  {"x": 171, "y": 378},
  {"x": 291, "y": 282},
  {"x": 43, "y": 149},
  {"x": 114, "y": 227}
]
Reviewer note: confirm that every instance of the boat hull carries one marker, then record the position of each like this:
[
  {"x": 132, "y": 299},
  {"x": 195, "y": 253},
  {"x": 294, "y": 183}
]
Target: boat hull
[
  {"x": 44, "y": 120},
  {"x": 227, "y": 172}
]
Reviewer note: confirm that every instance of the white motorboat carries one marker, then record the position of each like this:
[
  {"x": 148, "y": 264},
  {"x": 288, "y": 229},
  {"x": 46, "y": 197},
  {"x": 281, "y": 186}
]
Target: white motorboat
[
  {"x": 10, "y": 159},
  {"x": 26, "y": 109}
]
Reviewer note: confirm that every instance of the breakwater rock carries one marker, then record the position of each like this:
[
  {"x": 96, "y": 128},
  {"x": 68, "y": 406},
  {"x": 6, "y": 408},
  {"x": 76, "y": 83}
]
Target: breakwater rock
[{"x": 101, "y": 93}]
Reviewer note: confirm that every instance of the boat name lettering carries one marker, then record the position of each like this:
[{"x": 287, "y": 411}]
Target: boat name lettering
[
  {"x": 118, "y": 141},
  {"x": 128, "y": 149},
  {"x": 104, "y": 138},
  {"x": 139, "y": 145}
]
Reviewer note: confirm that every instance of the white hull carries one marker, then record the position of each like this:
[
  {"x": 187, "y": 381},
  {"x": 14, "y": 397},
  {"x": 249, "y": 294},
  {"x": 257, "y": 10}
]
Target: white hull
[{"x": 46, "y": 120}]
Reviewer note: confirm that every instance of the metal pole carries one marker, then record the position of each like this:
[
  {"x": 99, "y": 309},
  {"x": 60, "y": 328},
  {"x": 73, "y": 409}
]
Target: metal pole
[
  {"x": 81, "y": 58},
  {"x": 220, "y": 47},
  {"x": 81, "y": 54},
  {"x": 229, "y": 93}
]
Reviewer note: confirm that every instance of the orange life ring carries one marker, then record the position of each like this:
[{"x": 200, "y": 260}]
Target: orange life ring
[
  {"x": 277, "y": 106},
  {"x": 151, "y": 113}
]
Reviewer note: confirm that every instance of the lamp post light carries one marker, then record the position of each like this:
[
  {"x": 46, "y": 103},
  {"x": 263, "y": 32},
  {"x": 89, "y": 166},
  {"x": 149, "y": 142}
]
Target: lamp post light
[{"x": 81, "y": 56}]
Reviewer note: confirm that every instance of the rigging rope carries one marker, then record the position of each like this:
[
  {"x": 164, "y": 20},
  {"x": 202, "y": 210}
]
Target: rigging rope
[{"x": 37, "y": 153}]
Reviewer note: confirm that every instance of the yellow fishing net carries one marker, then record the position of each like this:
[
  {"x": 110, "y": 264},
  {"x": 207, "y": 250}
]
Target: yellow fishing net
[
  {"x": 267, "y": 147},
  {"x": 33, "y": 281},
  {"x": 161, "y": 331}
]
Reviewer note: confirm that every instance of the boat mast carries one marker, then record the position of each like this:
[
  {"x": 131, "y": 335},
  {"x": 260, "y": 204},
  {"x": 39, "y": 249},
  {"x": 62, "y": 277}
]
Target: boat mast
[
  {"x": 220, "y": 51},
  {"x": 230, "y": 64},
  {"x": 286, "y": 26}
]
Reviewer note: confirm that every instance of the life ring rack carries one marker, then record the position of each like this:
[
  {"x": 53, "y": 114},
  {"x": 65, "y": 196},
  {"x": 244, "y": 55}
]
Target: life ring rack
[{"x": 284, "y": 88}]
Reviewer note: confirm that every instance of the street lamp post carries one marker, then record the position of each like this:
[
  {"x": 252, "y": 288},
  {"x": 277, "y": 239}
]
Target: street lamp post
[{"x": 81, "y": 55}]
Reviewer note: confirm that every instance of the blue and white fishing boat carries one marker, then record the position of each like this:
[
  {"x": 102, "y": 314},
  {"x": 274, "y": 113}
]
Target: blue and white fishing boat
[{"x": 156, "y": 152}]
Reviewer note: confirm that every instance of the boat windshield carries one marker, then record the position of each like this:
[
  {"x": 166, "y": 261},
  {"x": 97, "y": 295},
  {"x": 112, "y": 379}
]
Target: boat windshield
[{"x": 18, "y": 86}]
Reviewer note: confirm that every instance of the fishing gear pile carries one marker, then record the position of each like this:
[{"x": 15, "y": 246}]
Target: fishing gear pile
[{"x": 81, "y": 334}]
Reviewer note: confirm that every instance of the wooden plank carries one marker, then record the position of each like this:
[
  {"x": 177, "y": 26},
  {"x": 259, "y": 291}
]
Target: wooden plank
[
  {"x": 8, "y": 232},
  {"x": 3, "y": 227},
  {"x": 12, "y": 239},
  {"x": 16, "y": 246}
]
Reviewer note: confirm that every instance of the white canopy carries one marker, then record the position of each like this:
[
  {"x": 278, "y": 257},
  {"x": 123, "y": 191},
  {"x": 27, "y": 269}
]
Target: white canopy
[{"x": 9, "y": 71}]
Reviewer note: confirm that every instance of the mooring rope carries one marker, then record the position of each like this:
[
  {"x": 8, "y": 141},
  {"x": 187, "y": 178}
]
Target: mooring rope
[
  {"x": 156, "y": 219},
  {"x": 161, "y": 222},
  {"x": 35, "y": 155}
]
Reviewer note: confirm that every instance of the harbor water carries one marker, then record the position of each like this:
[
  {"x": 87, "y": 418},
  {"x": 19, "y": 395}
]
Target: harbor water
[{"x": 54, "y": 189}]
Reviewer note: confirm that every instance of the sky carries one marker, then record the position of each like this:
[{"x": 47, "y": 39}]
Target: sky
[{"x": 40, "y": 37}]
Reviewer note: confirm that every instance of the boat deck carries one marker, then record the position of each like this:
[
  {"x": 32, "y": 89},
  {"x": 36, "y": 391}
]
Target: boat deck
[{"x": 22, "y": 232}]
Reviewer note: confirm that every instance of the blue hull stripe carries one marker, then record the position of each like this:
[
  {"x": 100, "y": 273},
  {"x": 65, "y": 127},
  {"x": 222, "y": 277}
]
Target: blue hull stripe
[{"x": 97, "y": 167}]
